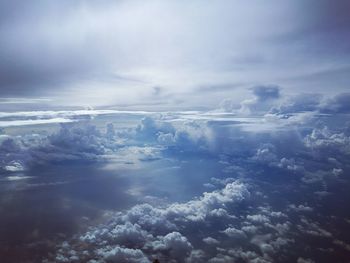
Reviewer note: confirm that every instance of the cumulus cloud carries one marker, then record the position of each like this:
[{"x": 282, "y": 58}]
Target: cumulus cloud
[
  {"x": 187, "y": 136},
  {"x": 258, "y": 218},
  {"x": 301, "y": 208},
  {"x": 266, "y": 154},
  {"x": 176, "y": 244},
  {"x": 210, "y": 241},
  {"x": 120, "y": 254},
  {"x": 145, "y": 229},
  {"x": 313, "y": 228},
  {"x": 325, "y": 139},
  {"x": 313, "y": 102},
  {"x": 234, "y": 233},
  {"x": 264, "y": 98},
  {"x": 81, "y": 141},
  {"x": 202, "y": 228},
  {"x": 146, "y": 232},
  {"x": 70, "y": 142},
  {"x": 14, "y": 166},
  {"x": 298, "y": 103}
]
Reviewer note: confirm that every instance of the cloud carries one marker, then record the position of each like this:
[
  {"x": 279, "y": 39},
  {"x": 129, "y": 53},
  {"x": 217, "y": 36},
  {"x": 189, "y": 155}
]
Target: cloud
[
  {"x": 264, "y": 93},
  {"x": 120, "y": 254},
  {"x": 234, "y": 233},
  {"x": 313, "y": 228},
  {"x": 90, "y": 49},
  {"x": 298, "y": 103},
  {"x": 338, "y": 104},
  {"x": 24, "y": 118},
  {"x": 130, "y": 234},
  {"x": 314, "y": 102},
  {"x": 301, "y": 208},
  {"x": 72, "y": 142},
  {"x": 33, "y": 122},
  {"x": 264, "y": 99},
  {"x": 258, "y": 167},
  {"x": 188, "y": 136},
  {"x": 258, "y": 218},
  {"x": 177, "y": 245},
  {"x": 267, "y": 155},
  {"x": 145, "y": 229},
  {"x": 323, "y": 139},
  {"x": 304, "y": 260},
  {"x": 227, "y": 105},
  {"x": 211, "y": 241},
  {"x": 14, "y": 166}
]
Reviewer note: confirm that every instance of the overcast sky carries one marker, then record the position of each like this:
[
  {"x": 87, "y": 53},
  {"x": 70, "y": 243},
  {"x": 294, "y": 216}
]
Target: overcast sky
[{"x": 172, "y": 53}]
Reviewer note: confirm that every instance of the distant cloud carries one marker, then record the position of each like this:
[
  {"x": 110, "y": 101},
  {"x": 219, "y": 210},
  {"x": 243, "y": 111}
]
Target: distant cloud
[
  {"x": 298, "y": 103},
  {"x": 266, "y": 92},
  {"x": 210, "y": 241},
  {"x": 340, "y": 103},
  {"x": 262, "y": 101}
]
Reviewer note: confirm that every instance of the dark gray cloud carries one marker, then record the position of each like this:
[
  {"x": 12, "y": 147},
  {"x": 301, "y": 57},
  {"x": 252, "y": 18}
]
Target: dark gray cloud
[
  {"x": 266, "y": 92},
  {"x": 338, "y": 104}
]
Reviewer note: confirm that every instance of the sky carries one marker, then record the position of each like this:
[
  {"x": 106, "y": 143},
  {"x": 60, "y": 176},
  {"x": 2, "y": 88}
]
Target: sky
[
  {"x": 183, "y": 131},
  {"x": 169, "y": 54}
]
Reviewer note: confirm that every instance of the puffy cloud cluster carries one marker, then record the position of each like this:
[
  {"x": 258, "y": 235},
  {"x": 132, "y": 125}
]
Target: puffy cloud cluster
[
  {"x": 204, "y": 229},
  {"x": 186, "y": 136},
  {"x": 178, "y": 247},
  {"x": 158, "y": 232},
  {"x": 267, "y": 155},
  {"x": 264, "y": 99},
  {"x": 174, "y": 233},
  {"x": 72, "y": 142},
  {"x": 84, "y": 142},
  {"x": 325, "y": 139},
  {"x": 120, "y": 254},
  {"x": 257, "y": 238},
  {"x": 313, "y": 228},
  {"x": 298, "y": 103},
  {"x": 267, "y": 99}
]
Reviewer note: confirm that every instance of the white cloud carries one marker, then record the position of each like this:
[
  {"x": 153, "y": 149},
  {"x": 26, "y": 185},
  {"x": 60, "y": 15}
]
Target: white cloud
[
  {"x": 305, "y": 260},
  {"x": 258, "y": 218},
  {"x": 301, "y": 208},
  {"x": 324, "y": 139},
  {"x": 14, "y": 166},
  {"x": 33, "y": 122},
  {"x": 176, "y": 244},
  {"x": 211, "y": 241},
  {"x": 156, "y": 229},
  {"x": 313, "y": 228},
  {"x": 120, "y": 254},
  {"x": 234, "y": 233}
]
